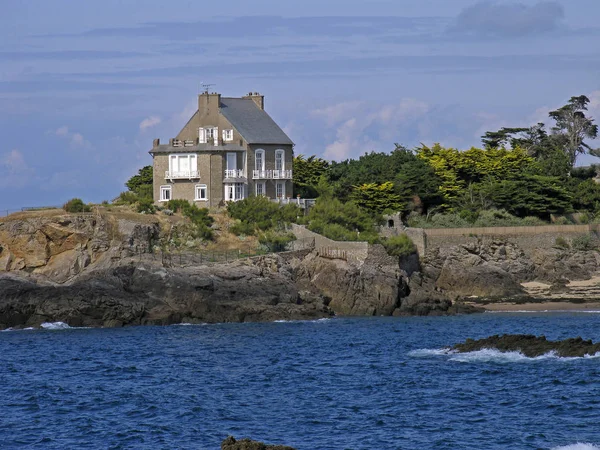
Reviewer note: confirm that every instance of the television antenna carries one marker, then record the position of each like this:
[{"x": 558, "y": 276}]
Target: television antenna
[{"x": 206, "y": 87}]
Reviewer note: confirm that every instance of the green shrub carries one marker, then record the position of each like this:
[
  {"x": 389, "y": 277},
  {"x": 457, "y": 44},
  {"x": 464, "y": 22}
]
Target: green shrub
[
  {"x": 342, "y": 221},
  {"x": 126, "y": 198},
  {"x": 400, "y": 245},
  {"x": 585, "y": 242},
  {"x": 562, "y": 220},
  {"x": 561, "y": 242},
  {"x": 145, "y": 206},
  {"x": 199, "y": 217},
  {"x": 275, "y": 241},
  {"x": 260, "y": 214},
  {"x": 76, "y": 205}
]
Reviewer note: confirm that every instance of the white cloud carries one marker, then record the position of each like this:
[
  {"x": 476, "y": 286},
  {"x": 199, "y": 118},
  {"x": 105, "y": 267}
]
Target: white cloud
[
  {"x": 14, "y": 170},
  {"x": 149, "y": 122},
  {"x": 62, "y": 131},
  {"x": 336, "y": 113},
  {"x": 369, "y": 129}
]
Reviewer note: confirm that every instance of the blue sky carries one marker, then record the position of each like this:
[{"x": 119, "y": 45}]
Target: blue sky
[{"x": 86, "y": 86}]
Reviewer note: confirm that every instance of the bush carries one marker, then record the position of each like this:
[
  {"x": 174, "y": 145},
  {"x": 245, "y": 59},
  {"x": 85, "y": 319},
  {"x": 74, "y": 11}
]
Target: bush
[
  {"x": 400, "y": 245},
  {"x": 145, "y": 206},
  {"x": 260, "y": 214},
  {"x": 76, "y": 205},
  {"x": 199, "y": 217},
  {"x": 561, "y": 242},
  {"x": 126, "y": 198},
  {"x": 342, "y": 221},
  {"x": 275, "y": 241},
  {"x": 585, "y": 242}
]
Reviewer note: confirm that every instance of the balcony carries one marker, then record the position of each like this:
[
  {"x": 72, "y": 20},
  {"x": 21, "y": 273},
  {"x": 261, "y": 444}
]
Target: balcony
[
  {"x": 189, "y": 175},
  {"x": 271, "y": 174},
  {"x": 235, "y": 173}
]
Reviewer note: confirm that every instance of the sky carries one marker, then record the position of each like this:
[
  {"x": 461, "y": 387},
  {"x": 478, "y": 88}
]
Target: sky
[{"x": 86, "y": 86}]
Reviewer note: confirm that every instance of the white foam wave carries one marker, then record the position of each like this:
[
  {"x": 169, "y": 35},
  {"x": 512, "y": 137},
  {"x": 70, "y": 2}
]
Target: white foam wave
[
  {"x": 18, "y": 329},
  {"x": 55, "y": 326},
  {"x": 187, "y": 324},
  {"x": 324, "y": 319},
  {"x": 491, "y": 355},
  {"x": 531, "y": 311},
  {"x": 425, "y": 352},
  {"x": 578, "y": 446}
]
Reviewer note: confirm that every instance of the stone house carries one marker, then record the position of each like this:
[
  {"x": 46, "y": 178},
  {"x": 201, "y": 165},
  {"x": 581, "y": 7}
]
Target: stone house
[{"x": 229, "y": 149}]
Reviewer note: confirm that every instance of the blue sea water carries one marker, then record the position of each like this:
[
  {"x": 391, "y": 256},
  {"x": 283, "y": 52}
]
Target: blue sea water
[{"x": 343, "y": 383}]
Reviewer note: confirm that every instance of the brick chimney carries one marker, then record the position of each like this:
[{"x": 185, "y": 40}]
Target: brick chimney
[
  {"x": 257, "y": 98},
  {"x": 208, "y": 105}
]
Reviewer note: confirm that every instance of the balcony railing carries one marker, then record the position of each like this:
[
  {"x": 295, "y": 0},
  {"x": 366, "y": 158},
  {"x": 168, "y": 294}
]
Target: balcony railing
[
  {"x": 271, "y": 174},
  {"x": 189, "y": 174},
  {"x": 234, "y": 173}
]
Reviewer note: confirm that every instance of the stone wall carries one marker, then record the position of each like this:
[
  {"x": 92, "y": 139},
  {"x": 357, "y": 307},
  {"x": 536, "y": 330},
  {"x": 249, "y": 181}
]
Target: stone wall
[
  {"x": 527, "y": 238},
  {"x": 356, "y": 252}
]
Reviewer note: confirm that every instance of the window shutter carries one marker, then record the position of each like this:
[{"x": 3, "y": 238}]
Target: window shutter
[
  {"x": 201, "y": 136},
  {"x": 216, "y": 135}
]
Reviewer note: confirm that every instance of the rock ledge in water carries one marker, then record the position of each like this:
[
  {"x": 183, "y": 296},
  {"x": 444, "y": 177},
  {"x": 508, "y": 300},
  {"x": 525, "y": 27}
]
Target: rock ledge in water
[
  {"x": 246, "y": 444},
  {"x": 530, "y": 345}
]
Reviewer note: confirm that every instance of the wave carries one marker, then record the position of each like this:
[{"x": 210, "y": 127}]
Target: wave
[
  {"x": 532, "y": 311},
  {"x": 60, "y": 326},
  {"x": 18, "y": 329},
  {"x": 187, "y": 324},
  {"x": 492, "y": 355},
  {"x": 578, "y": 446},
  {"x": 324, "y": 319}
]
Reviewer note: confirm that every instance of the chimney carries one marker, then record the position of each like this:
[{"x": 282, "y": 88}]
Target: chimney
[
  {"x": 208, "y": 104},
  {"x": 257, "y": 98},
  {"x": 156, "y": 143}
]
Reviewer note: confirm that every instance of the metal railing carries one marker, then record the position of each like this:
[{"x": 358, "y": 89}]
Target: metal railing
[
  {"x": 189, "y": 174},
  {"x": 272, "y": 174},
  {"x": 235, "y": 173}
]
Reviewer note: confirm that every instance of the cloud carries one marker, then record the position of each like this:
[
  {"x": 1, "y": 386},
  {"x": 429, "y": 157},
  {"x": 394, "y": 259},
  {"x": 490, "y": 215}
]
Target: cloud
[
  {"x": 62, "y": 131},
  {"x": 14, "y": 171},
  {"x": 76, "y": 140},
  {"x": 364, "y": 128},
  {"x": 496, "y": 19},
  {"x": 149, "y": 122}
]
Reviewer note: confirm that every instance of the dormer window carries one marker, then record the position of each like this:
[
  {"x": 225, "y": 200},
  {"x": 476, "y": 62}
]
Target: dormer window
[
  {"x": 228, "y": 135},
  {"x": 208, "y": 135}
]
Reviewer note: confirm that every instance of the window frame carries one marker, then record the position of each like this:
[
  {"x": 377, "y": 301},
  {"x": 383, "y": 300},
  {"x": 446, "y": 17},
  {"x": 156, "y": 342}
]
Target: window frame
[
  {"x": 282, "y": 184},
  {"x": 200, "y": 187},
  {"x": 227, "y": 135},
  {"x": 281, "y": 154},
  {"x": 260, "y": 152},
  {"x": 263, "y": 185},
  {"x": 165, "y": 188}
]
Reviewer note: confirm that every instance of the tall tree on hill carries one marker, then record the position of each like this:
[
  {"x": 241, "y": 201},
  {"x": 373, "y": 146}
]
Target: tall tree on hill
[
  {"x": 572, "y": 123},
  {"x": 307, "y": 173}
]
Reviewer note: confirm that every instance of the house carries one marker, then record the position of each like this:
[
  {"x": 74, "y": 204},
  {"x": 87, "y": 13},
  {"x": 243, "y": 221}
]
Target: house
[{"x": 229, "y": 149}]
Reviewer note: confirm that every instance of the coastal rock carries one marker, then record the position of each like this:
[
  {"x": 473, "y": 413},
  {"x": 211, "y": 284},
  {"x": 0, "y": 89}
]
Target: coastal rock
[
  {"x": 230, "y": 443},
  {"x": 531, "y": 346}
]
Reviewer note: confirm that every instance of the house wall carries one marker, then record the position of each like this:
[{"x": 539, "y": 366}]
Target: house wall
[
  {"x": 270, "y": 165},
  {"x": 208, "y": 116}
]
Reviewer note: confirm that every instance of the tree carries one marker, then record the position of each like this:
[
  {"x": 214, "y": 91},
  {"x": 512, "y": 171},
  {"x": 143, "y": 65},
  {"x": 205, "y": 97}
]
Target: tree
[
  {"x": 307, "y": 172},
  {"x": 141, "y": 184},
  {"x": 572, "y": 123},
  {"x": 341, "y": 221},
  {"x": 377, "y": 197}
]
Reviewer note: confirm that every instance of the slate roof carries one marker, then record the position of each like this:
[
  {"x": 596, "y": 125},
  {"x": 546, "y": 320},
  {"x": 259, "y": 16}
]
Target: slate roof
[{"x": 254, "y": 124}]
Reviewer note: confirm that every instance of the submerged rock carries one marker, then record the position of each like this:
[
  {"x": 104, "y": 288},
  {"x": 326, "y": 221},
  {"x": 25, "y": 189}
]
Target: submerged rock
[
  {"x": 246, "y": 444},
  {"x": 530, "y": 345}
]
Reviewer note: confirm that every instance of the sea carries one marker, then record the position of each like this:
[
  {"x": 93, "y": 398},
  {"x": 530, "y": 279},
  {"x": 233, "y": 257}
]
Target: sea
[{"x": 339, "y": 383}]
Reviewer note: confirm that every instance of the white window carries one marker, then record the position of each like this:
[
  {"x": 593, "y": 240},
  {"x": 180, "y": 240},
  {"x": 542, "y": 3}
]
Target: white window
[
  {"x": 260, "y": 189},
  {"x": 183, "y": 166},
  {"x": 228, "y": 135},
  {"x": 235, "y": 192},
  {"x": 259, "y": 159},
  {"x": 210, "y": 134},
  {"x": 280, "y": 189},
  {"x": 201, "y": 192},
  {"x": 279, "y": 159},
  {"x": 165, "y": 193},
  {"x": 201, "y": 136}
]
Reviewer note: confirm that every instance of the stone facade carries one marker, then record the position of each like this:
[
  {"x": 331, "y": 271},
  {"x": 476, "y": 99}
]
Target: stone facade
[{"x": 218, "y": 147}]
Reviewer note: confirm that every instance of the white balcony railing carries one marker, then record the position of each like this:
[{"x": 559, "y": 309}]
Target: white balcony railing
[
  {"x": 189, "y": 174},
  {"x": 234, "y": 173},
  {"x": 272, "y": 174}
]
